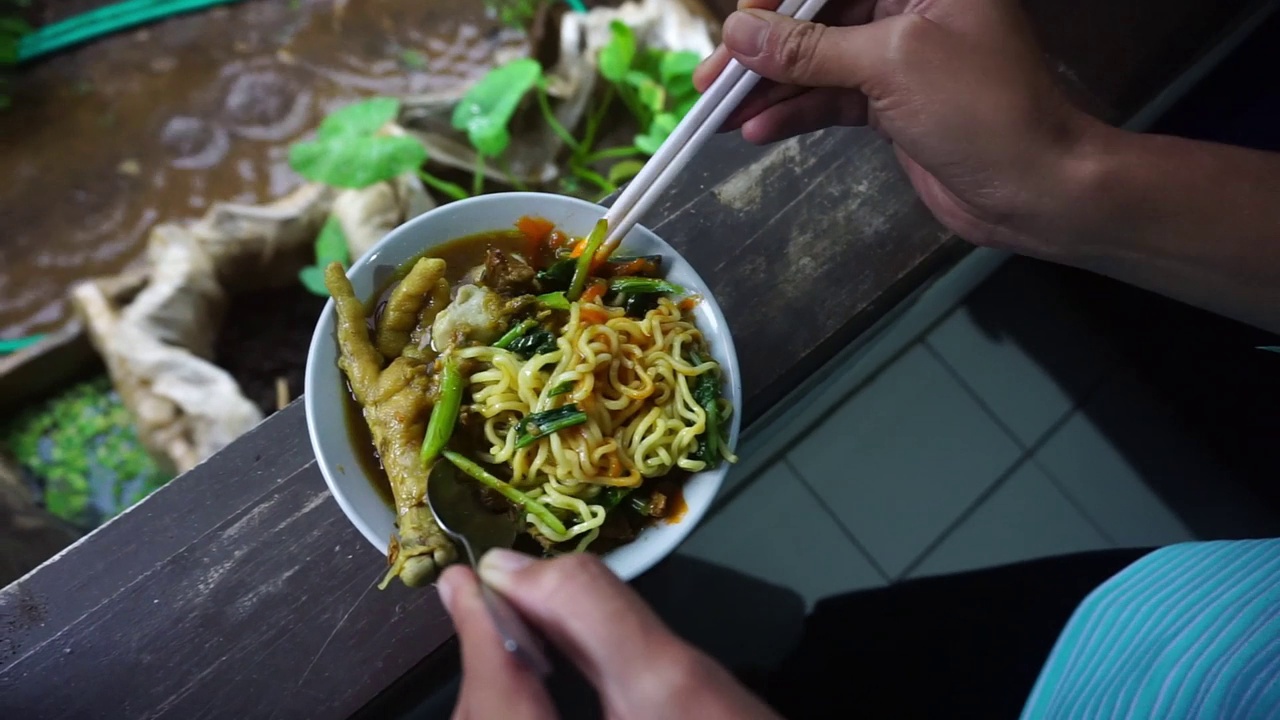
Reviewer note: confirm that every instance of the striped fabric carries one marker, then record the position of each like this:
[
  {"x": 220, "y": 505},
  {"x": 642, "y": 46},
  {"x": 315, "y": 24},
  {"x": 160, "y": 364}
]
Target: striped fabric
[{"x": 1189, "y": 631}]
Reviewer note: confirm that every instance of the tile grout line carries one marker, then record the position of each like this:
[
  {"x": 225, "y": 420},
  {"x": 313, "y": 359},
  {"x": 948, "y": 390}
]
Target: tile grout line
[
  {"x": 964, "y": 515},
  {"x": 1088, "y": 395},
  {"x": 853, "y": 540},
  {"x": 781, "y": 454},
  {"x": 1030, "y": 451}
]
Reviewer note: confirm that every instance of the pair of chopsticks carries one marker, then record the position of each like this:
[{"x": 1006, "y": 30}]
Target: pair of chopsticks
[{"x": 703, "y": 119}]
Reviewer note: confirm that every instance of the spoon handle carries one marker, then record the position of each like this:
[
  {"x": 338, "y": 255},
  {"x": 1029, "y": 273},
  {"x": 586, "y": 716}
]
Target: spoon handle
[{"x": 517, "y": 638}]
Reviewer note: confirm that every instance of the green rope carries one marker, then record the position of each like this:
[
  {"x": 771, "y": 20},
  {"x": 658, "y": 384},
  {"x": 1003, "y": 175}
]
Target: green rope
[{"x": 104, "y": 21}]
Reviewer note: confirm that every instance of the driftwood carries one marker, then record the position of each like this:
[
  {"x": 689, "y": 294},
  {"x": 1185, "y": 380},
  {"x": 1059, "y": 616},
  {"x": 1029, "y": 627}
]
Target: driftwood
[{"x": 156, "y": 331}]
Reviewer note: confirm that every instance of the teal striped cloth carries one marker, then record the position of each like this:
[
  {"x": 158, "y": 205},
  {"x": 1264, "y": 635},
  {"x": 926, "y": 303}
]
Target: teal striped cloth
[{"x": 1189, "y": 631}]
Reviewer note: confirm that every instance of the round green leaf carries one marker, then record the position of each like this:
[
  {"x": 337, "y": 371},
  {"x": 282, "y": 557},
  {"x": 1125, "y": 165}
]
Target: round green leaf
[
  {"x": 489, "y": 105},
  {"x": 313, "y": 280},
  {"x": 617, "y": 55},
  {"x": 362, "y": 118},
  {"x": 676, "y": 65},
  {"x": 351, "y": 161},
  {"x": 331, "y": 244}
]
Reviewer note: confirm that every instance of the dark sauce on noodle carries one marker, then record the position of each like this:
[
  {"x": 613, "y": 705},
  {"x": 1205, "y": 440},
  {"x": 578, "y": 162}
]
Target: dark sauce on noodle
[{"x": 462, "y": 256}]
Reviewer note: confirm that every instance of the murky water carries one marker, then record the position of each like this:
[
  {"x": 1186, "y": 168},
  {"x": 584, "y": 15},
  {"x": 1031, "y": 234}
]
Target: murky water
[{"x": 158, "y": 123}]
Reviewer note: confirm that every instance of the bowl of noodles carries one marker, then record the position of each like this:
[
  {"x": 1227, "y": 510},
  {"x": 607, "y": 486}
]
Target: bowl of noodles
[{"x": 592, "y": 398}]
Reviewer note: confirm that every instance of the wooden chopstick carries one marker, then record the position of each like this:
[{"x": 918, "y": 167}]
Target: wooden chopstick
[{"x": 706, "y": 116}]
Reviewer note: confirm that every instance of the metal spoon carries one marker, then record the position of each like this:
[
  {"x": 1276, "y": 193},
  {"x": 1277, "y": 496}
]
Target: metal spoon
[{"x": 459, "y": 512}]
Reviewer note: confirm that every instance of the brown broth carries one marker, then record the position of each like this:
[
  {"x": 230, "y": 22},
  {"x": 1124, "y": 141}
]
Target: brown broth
[{"x": 460, "y": 256}]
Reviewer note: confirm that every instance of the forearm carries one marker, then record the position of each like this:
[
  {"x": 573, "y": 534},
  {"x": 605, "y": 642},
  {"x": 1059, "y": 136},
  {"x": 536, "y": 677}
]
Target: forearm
[{"x": 1196, "y": 221}]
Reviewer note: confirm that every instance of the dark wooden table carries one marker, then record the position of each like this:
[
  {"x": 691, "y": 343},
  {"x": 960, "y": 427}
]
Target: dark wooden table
[{"x": 240, "y": 589}]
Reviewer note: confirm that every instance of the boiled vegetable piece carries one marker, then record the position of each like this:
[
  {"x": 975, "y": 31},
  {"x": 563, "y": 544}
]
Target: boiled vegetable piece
[
  {"x": 638, "y": 285},
  {"x": 445, "y": 414},
  {"x": 539, "y": 425},
  {"x": 511, "y": 493},
  {"x": 587, "y": 258}
]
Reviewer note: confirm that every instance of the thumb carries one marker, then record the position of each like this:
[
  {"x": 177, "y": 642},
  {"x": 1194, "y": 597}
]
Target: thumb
[{"x": 810, "y": 54}]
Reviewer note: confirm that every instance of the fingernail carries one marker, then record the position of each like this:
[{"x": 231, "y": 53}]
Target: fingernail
[
  {"x": 446, "y": 590},
  {"x": 497, "y": 565},
  {"x": 745, "y": 33}
]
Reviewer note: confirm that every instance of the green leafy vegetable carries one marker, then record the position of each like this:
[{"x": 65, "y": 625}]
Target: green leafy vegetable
[
  {"x": 706, "y": 393},
  {"x": 12, "y": 29},
  {"x": 554, "y": 300},
  {"x": 616, "y": 56},
  {"x": 538, "y": 342},
  {"x": 583, "y": 267},
  {"x": 516, "y": 331},
  {"x": 331, "y": 246},
  {"x": 514, "y": 13},
  {"x": 445, "y": 413},
  {"x": 360, "y": 118},
  {"x": 530, "y": 505},
  {"x": 348, "y": 153},
  {"x": 83, "y": 446},
  {"x": 657, "y": 133},
  {"x": 676, "y": 74},
  {"x": 488, "y": 106},
  {"x": 539, "y": 425},
  {"x": 444, "y": 187},
  {"x": 561, "y": 389},
  {"x": 624, "y": 171},
  {"x": 558, "y": 274},
  {"x": 611, "y": 497},
  {"x": 352, "y": 161},
  {"x": 644, "y": 285}
]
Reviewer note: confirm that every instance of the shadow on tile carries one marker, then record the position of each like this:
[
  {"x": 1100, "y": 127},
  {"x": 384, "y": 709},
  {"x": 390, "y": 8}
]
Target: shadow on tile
[
  {"x": 742, "y": 621},
  {"x": 1205, "y": 369},
  {"x": 1023, "y": 349},
  {"x": 1205, "y": 494}
]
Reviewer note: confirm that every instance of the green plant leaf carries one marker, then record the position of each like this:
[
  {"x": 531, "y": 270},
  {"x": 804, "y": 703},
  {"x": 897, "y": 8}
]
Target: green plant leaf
[
  {"x": 489, "y": 105},
  {"x": 676, "y": 65},
  {"x": 623, "y": 171},
  {"x": 353, "y": 161},
  {"x": 616, "y": 56},
  {"x": 676, "y": 74},
  {"x": 453, "y": 191},
  {"x": 657, "y": 133},
  {"x": 652, "y": 95},
  {"x": 331, "y": 245},
  {"x": 313, "y": 280},
  {"x": 362, "y": 118}
]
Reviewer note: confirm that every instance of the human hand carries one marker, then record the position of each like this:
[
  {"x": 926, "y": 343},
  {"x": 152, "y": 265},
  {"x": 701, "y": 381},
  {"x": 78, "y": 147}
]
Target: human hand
[
  {"x": 638, "y": 667},
  {"x": 958, "y": 87}
]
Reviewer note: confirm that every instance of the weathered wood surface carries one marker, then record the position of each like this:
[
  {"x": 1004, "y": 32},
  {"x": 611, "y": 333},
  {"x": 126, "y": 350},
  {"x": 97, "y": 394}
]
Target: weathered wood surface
[{"x": 240, "y": 590}]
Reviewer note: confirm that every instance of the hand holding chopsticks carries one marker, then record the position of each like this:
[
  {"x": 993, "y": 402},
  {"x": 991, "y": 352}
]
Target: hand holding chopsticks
[{"x": 702, "y": 120}]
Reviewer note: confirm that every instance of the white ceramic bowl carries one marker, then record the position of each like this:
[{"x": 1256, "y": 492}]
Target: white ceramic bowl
[{"x": 326, "y": 392}]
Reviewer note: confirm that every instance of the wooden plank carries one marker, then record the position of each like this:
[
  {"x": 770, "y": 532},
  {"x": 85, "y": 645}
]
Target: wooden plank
[{"x": 260, "y": 602}]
